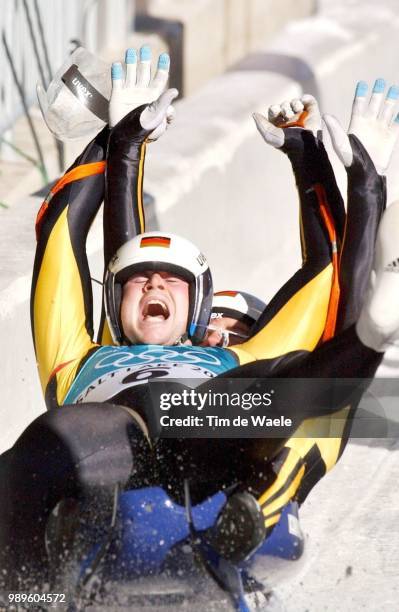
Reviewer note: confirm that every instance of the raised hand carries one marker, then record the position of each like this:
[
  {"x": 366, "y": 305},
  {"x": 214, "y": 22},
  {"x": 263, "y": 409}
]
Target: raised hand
[
  {"x": 302, "y": 113},
  {"x": 133, "y": 87},
  {"x": 295, "y": 129},
  {"x": 374, "y": 122}
]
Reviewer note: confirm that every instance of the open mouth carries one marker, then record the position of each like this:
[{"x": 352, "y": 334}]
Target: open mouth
[{"x": 156, "y": 309}]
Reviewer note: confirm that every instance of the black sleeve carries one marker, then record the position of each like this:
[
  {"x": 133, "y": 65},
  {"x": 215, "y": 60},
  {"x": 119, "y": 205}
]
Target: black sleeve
[
  {"x": 312, "y": 167},
  {"x": 366, "y": 203},
  {"x": 320, "y": 200},
  {"x": 123, "y": 208}
]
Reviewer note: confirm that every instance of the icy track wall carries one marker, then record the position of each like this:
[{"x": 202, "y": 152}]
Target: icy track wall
[{"x": 216, "y": 182}]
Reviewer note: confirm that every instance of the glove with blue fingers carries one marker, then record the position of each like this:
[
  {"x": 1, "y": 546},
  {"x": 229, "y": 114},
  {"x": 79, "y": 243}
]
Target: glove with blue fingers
[
  {"x": 134, "y": 89},
  {"x": 373, "y": 122}
]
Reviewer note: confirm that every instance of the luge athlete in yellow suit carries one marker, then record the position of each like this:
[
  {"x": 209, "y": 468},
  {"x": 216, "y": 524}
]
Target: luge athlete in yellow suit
[
  {"x": 92, "y": 447},
  {"x": 305, "y": 459}
]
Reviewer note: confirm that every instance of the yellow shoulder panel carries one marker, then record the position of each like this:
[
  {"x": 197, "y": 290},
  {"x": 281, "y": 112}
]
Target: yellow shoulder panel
[
  {"x": 332, "y": 427},
  {"x": 298, "y": 325},
  {"x": 59, "y": 313}
]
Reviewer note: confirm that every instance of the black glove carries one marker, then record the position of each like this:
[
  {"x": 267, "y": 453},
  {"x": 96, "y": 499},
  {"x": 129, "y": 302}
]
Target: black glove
[{"x": 239, "y": 529}]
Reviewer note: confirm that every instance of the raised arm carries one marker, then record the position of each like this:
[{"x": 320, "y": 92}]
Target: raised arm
[
  {"x": 365, "y": 150},
  {"x": 138, "y": 114},
  {"x": 295, "y": 129},
  {"x": 61, "y": 297},
  {"x": 304, "y": 460},
  {"x": 296, "y": 317},
  {"x": 132, "y": 90}
]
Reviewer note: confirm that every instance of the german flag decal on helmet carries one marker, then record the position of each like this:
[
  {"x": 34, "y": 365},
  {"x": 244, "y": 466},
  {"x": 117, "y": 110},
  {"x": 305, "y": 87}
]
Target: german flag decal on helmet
[{"x": 155, "y": 241}]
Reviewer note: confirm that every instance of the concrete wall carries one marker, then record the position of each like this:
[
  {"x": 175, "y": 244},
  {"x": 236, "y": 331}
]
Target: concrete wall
[
  {"x": 217, "y": 33},
  {"x": 213, "y": 165},
  {"x": 213, "y": 178}
]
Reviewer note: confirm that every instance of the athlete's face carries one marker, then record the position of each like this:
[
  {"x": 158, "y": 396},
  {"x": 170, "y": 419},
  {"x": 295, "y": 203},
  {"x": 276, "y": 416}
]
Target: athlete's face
[
  {"x": 217, "y": 332},
  {"x": 154, "y": 308}
]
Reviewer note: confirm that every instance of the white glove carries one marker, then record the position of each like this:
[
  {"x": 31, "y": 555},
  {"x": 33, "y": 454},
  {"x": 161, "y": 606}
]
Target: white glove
[
  {"x": 302, "y": 113},
  {"x": 135, "y": 88},
  {"x": 375, "y": 124}
]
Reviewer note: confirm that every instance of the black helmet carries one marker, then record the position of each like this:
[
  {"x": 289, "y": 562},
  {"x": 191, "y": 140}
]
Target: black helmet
[{"x": 239, "y": 305}]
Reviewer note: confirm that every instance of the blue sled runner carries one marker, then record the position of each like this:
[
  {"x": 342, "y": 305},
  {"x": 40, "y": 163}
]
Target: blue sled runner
[{"x": 154, "y": 556}]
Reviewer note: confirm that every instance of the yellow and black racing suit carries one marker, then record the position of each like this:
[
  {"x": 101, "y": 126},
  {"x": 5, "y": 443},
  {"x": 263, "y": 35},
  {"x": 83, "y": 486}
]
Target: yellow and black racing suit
[
  {"x": 304, "y": 458},
  {"x": 70, "y": 361}
]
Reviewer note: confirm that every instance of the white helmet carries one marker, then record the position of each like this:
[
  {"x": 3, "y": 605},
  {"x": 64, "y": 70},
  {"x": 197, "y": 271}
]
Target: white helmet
[
  {"x": 160, "y": 251},
  {"x": 238, "y": 305}
]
